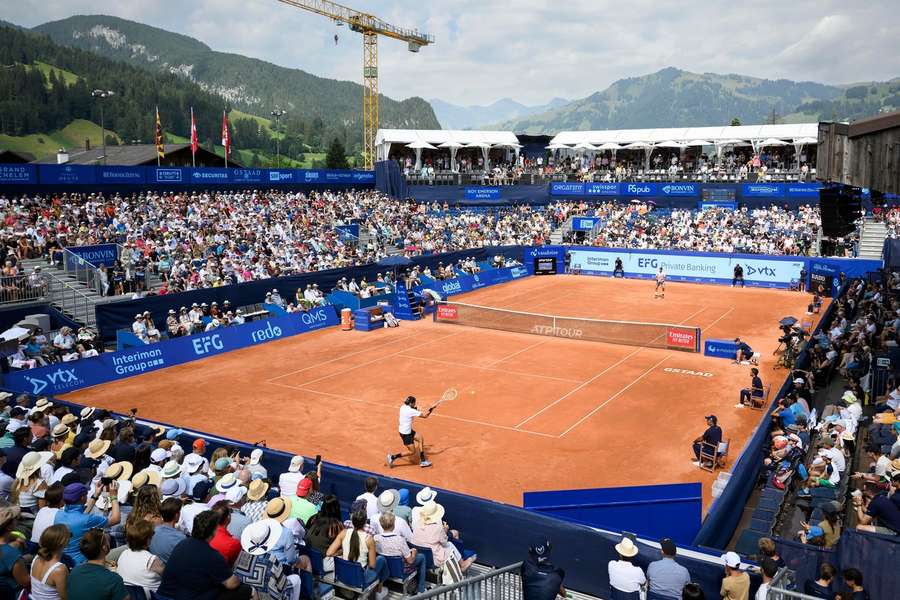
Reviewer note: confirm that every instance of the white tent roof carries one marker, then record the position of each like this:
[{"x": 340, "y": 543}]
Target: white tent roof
[
  {"x": 787, "y": 132},
  {"x": 436, "y": 137}
]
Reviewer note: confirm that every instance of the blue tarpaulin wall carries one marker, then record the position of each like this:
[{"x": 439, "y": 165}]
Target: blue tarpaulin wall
[
  {"x": 389, "y": 180},
  {"x": 891, "y": 253},
  {"x": 652, "y": 511}
]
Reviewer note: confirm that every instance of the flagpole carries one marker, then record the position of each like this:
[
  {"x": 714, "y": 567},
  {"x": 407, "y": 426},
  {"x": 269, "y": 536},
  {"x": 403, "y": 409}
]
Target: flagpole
[
  {"x": 157, "y": 136},
  {"x": 193, "y": 151}
]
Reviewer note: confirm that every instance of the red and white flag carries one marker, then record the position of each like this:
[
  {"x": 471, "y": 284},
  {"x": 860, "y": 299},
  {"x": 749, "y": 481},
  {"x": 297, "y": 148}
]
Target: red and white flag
[
  {"x": 226, "y": 137},
  {"x": 195, "y": 143}
]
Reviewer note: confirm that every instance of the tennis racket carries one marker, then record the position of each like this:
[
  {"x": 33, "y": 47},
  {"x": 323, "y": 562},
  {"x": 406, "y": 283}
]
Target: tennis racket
[{"x": 449, "y": 395}]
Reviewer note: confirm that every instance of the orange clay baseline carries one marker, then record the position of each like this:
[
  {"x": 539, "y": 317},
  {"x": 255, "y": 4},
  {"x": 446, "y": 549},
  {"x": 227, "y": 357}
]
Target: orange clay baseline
[{"x": 551, "y": 413}]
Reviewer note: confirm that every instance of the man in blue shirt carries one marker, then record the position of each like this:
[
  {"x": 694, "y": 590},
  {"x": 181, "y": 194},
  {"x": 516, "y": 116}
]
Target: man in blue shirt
[
  {"x": 754, "y": 394},
  {"x": 667, "y": 577},
  {"x": 167, "y": 535},
  {"x": 76, "y": 515},
  {"x": 711, "y": 437},
  {"x": 744, "y": 351}
]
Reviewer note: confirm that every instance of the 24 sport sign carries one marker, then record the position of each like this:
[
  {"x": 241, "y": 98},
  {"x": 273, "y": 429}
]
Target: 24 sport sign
[
  {"x": 703, "y": 268},
  {"x": 111, "y": 366}
]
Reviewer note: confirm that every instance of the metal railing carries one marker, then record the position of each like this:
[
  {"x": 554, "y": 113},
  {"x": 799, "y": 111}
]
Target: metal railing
[
  {"x": 71, "y": 300},
  {"x": 783, "y": 586},
  {"x": 83, "y": 271},
  {"x": 16, "y": 289},
  {"x": 500, "y": 584}
]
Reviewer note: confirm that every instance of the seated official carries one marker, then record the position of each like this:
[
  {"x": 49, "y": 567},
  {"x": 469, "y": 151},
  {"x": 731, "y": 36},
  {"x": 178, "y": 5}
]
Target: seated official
[
  {"x": 753, "y": 395},
  {"x": 711, "y": 437}
]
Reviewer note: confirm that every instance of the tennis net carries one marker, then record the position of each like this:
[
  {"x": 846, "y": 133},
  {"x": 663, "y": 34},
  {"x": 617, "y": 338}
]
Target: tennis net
[{"x": 649, "y": 335}]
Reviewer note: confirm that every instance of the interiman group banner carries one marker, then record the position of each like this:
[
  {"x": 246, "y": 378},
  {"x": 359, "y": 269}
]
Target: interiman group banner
[{"x": 65, "y": 377}]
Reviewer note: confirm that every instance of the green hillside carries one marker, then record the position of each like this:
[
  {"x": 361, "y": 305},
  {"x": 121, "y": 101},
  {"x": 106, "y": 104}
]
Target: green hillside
[
  {"x": 71, "y": 136},
  {"x": 319, "y": 109}
]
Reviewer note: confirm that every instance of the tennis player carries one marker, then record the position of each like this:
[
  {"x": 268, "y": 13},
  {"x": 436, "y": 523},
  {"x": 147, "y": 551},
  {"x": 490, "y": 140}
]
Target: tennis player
[
  {"x": 415, "y": 443},
  {"x": 660, "y": 291}
]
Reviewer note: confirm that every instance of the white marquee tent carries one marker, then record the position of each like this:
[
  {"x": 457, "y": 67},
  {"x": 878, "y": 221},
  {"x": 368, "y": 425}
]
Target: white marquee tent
[{"x": 445, "y": 138}]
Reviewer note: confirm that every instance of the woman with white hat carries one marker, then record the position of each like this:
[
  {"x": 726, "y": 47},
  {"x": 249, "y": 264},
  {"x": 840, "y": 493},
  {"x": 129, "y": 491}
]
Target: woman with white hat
[
  {"x": 431, "y": 531},
  {"x": 258, "y": 540},
  {"x": 29, "y": 480}
]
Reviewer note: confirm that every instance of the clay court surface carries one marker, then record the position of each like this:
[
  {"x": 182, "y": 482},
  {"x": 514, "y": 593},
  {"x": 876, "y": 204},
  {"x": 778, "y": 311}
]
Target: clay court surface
[{"x": 533, "y": 412}]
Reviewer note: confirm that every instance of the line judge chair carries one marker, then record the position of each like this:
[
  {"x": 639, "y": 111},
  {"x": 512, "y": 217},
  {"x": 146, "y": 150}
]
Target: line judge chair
[{"x": 714, "y": 456}]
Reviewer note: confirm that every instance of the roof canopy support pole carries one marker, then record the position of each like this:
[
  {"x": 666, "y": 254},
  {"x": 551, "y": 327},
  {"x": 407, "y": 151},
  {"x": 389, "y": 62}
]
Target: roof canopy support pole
[
  {"x": 418, "y": 159},
  {"x": 453, "y": 150},
  {"x": 798, "y": 148},
  {"x": 485, "y": 151}
]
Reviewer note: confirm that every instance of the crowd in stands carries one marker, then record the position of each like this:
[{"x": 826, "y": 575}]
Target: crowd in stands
[
  {"x": 94, "y": 507},
  {"x": 37, "y": 350},
  {"x": 772, "y": 230}
]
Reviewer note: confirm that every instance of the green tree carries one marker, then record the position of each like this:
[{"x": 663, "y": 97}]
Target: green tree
[
  {"x": 735, "y": 122},
  {"x": 337, "y": 156}
]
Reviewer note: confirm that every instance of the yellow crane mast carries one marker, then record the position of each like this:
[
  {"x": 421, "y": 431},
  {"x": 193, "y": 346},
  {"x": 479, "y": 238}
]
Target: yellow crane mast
[{"x": 370, "y": 27}]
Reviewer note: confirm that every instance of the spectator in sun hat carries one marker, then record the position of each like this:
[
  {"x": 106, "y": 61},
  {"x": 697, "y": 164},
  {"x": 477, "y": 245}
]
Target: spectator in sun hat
[
  {"x": 192, "y": 467},
  {"x": 255, "y": 506},
  {"x": 158, "y": 458},
  {"x": 76, "y": 514},
  {"x": 290, "y": 479},
  {"x": 388, "y": 501},
  {"x": 624, "y": 576},
  {"x": 29, "y": 480},
  {"x": 260, "y": 542},
  {"x": 173, "y": 487},
  {"x": 430, "y": 530},
  {"x": 541, "y": 580},
  {"x": 736, "y": 584},
  {"x": 667, "y": 578},
  {"x": 426, "y": 494},
  {"x": 253, "y": 464}
]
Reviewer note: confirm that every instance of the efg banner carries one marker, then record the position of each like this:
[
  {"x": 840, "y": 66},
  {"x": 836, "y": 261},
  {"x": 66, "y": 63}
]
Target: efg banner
[
  {"x": 111, "y": 366},
  {"x": 696, "y": 267}
]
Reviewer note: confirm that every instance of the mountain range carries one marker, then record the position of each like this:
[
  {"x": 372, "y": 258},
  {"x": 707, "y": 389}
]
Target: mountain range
[
  {"x": 452, "y": 116},
  {"x": 253, "y": 86},
  {"x": 676, "y": 98}
]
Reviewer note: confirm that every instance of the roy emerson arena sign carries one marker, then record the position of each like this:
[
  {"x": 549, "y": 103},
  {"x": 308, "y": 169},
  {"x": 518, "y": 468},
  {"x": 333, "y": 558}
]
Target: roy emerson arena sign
[{"x": 111, "y": 366}]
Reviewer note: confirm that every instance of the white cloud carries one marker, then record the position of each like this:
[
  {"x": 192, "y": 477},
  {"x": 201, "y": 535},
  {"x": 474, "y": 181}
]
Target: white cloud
[{"x": 533, "y": 50}]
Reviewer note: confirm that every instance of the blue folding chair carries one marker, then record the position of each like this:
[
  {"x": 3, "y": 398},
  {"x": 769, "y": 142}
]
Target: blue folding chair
[
  {"x": 748, "y": 542},
  {"x": 769, "y": 503},
  {"x": 397, "y": 571},
  {"x": 352, "y": 577},
  {"x": 615, "y": 594},
  {"x": 312, "y": 589},
  {"x": 762, "y": 526},
  {"x": 136, "y": 592},
  {"x": 316, "y": 561},
  {"x": 430, "y": 567}
]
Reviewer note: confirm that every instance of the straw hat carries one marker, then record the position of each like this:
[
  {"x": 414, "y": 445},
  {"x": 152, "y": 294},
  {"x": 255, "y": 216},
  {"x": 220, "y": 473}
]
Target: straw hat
[
  {"x": 279, "y": 509},
  {"x": 431, "y": 512},
  {"x": 120, "y": 471},
  {"x": 31, "y": 463},
  {"x": 68, "y": 419},
  {"x": 257, "y": 490},
  {"x": 626, "y": 548},
  {"x": 87, "y": 412},
  {"x": 227, "y": 482},
  {"x": 426, "y": 494},
  {"x": 61, "y": 431},
  {"x": 145, "y": 477},
  {"x": 97, "y": 448},
  {"x": 260, "y": 537},
  {"x": 171, "y": 469},
  {"x": 895, "y": 466},
  {"x": 173, "y": 488},
  {"x": 42, "y": 404}
]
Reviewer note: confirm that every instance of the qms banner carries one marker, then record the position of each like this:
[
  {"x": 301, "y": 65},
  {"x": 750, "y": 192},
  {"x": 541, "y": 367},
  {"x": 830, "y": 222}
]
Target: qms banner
[
  {"x": 703, "y": 268},
  {"x": 111, "y": 366}
]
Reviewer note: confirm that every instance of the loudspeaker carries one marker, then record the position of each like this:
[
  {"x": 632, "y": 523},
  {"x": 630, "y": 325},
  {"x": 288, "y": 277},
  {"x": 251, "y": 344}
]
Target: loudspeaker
[{"x": 840, "y": 207}]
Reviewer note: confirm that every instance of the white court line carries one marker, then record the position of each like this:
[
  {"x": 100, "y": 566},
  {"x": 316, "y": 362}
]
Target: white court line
[
  {"x": 507, "y": 371},
  {"x": 382, "y": 405},
  {"x": 614, "y": 396},
  {"x": 375, "y": 360},
  {"x": 505, "y": 358},
  {"x": 727, "y": 312},
  {"x": 330, "y": 360},
  {"x": 600, "y": 374}
]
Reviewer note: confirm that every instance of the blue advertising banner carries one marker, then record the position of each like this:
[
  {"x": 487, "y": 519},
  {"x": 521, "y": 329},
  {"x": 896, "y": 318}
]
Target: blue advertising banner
[
  {"x": 638, "y": 189},
  {"x": 679, "y": 189},
  {"x": 209, "y": 175},
  {"x": 467, "y": 283},
  {"x": 121, "y": 174},
  {"x": 565, "y": 188},
  {"x": 723, "y": 205},
  {"x": 557, "y": 252},
  {"x": 700, "y": 267},
  {"x": 167, "y": 175},
  {"x": 18, "y": 174},
  {"x": 100, "y": 254},
  {"x": 482, "y": 193},
  {"x": 720, "y": 348},
  {"x": 762, "y": 190},
  {"x": 584, "y": 223},
  {"x": 601, "y": 189},
  {"x": 804, "y": 190},
  {"x": 348, "y": 232},
  {"x": 249, "y": 176},
  {"x": 67, "y": 377},
  {"x": 67, "y": 174}
]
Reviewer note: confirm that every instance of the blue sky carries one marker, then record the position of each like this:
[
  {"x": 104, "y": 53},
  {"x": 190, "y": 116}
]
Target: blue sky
[{"x": 534, "y": 50}]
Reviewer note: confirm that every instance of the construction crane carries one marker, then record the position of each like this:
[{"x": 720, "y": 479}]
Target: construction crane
[{"x": 370, "y": 27}]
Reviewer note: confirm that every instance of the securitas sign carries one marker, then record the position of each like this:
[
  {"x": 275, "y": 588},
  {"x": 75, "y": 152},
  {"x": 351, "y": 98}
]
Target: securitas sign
[{"x": 110, "y": 366}]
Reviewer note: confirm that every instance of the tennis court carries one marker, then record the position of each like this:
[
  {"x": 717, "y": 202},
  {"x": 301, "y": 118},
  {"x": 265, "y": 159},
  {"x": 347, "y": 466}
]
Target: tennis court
[{"x": 534, "y": 412}]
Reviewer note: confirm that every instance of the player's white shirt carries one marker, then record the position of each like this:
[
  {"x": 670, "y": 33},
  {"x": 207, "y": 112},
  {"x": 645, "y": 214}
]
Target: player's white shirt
[
  {"x": 661, "y": 277},
  {"x": 407, "y": 414}
]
